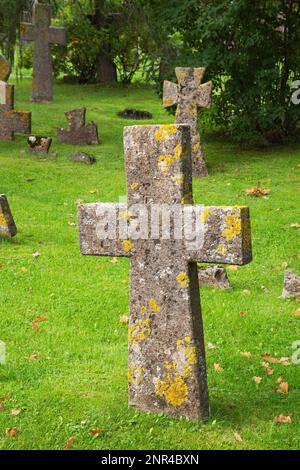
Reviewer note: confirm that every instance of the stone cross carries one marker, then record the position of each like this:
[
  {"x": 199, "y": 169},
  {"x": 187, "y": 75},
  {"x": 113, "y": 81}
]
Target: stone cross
[
  {"x": 10, "y": 120},
  {"x": 78, "y": 132},
  {"x": 41, "y": 31},
  {"x": 188, "y": 96},
  {"x": 7, "y": 224},
  {"x": 167, "y": 369}
]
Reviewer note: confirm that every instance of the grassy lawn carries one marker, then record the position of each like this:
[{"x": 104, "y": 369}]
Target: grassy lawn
[{"x": 79, "y": 380}]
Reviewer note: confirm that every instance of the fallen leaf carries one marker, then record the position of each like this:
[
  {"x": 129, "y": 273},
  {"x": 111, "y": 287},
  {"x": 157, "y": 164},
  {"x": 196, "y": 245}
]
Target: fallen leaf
[
  {"x": 283, "y": 386},
  {"x": 281, "y": 419},
  {"x": 246, "y": 292},
  {"x": 218, "y": 368},
  {"x": 2, "y": 406},
  {"x": 5, "y": 397},
  {"x": 95, "y": 432},
  {"x": 70, "y": 442},
  {"x": 238, "y": 437},
  {"x": 285, "y": 264},
  {"x": 211, "y": 346},
  {"x": 258, "y": 191},
  {"x": 32, "y": 357},
  {"x": 270, "y": 371},
  {"x": 40, "y": 319},
  {"x": 71, "y": 224},
  {"x": 295, "y": 225},
  {"x": 79, "y": 202},
  {"x": 246, "y": 354},
  {"x": 11, "y": 432},
  {"x": 257, "y": 380},
  {"x": 36, "y": 254},
  {"x": 15, "y": 412},
  {"x": 124, "y": 319},
  {"x": 93, "y": 191},
  {"x": 274, "y": 360},
  {"x": 296, "y": 312},
  {"x": 114, "y": 260},
  {"x": 24, "y": 270},
  {"x": 36, "y": 327},
  {"x": 233, "y": 267},
  {"x": 243, "y": 313}
]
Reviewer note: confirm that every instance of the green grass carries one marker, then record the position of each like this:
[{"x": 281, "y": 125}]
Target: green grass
[{"x": 80, "y": 378}]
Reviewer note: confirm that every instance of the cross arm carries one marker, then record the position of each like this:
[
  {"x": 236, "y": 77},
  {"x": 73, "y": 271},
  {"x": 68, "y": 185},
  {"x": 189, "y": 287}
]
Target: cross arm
[
  {"x": 28, "y": 32},
  {"x": 57, "y": 35},
  {"x": 226, "y": 236},
  {"x": 170, "y": 97},
  {"x": 99, "y": 230},
  {"x": 204, "y": 95}
]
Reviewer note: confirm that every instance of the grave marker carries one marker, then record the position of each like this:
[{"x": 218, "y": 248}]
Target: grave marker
[
  {"x": 167, "y": 369},
  {"x": 78, "y": 133},
  {"x": 7, "y": 224}
]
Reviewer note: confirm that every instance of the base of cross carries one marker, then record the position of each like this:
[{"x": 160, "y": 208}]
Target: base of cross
[{"x": 199, "y": 163}]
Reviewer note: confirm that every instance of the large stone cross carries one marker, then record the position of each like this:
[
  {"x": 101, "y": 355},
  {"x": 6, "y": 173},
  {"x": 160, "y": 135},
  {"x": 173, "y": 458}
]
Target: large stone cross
[
  {"x": 167, "y": 370},
  {"x": 41, "y": 31},
  {"x": 188, "y": 96},
  {"x": 10, "y": 120}
]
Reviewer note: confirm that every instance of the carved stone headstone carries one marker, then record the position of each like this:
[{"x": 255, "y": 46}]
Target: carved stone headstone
[
  {"x": 291, "y": 285},
  {"x": 43, "y": 34},
  {"x": 38, "y": 144},
  {"x": 188, "y": 96},
  {"x": 214, "y": 276},
  {"x": 11, "y": 121},
  {"x": 78, "y": 132},
  {"x": 7, "y": 225},
  {"x": 81, "y": 157},
  {"x": 167, "y": 369}
]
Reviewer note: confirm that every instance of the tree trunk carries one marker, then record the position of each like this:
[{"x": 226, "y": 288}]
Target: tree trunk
[{"x": 106, "y": 69}]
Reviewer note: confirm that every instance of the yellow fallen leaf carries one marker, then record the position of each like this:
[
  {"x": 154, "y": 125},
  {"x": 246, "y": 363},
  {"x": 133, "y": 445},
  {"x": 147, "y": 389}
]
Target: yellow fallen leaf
[
  {"x": 211, "y": 346},
  {"x": 246, "y": 354},
  {"x": 32, "y": 357},
  {"x": 218, "y": 368},
  {"x": 233, "y": 267},
  {"x": 70, "y": 442},
  {"x": 238, "y": 437},
  {"x": 281, "y": 419},
  {"x": 24, "y": 270},
  {"x": 36, "y": 254},
  {"x": 114, "y": 260},
  {"x": 95, "y": 432},
  {"x": 15, "y": 412},
  {"x": 257, "y": 380},
  {"x": 296, "y": 312},
  {"x": 124, "y": 319},
  {"x": 12, "y": 432},
  {"x": 295, "y": 225},
  {"x": 258, "y": 191}
]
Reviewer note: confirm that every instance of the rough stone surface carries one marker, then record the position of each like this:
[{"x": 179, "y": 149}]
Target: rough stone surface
[
  {"x": 78, "y": 133},
  {"x": 188, "y": 96},
  {"x": 167, "y": 368},
  {"x": 38, "y": 144},
  {"x": 7, "y": 224},
  {"x": 81, "y": 157},
  {"x": 43, "y": 34},
  {"x": 214, "y": 276},
  {"x": 11, "y": 121},
  {"x": 291, "y": 285}
]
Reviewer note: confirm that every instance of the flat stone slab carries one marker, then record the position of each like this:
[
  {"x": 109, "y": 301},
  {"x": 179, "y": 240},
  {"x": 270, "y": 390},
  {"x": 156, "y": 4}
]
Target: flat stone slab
[
  {"x": 38, "y": 144},
  {"x": 291, "y": 285},
  {"x": 81, "y": 157},
  {"x": 78, "y": 133},
  {"x": 214, "y": 276},
  {"x": 135, "y": 114},
  {"x": 7, "y": 225}
]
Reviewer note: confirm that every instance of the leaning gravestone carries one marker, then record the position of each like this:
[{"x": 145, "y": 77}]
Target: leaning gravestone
[
  {"x": 78, "y": 132},
  {"x": 38, "y": 144},
  {"x": 43, "y": 34},
  {"x": 167, "y": 371},
  {"x": 188, "y": 96},
  {"x": 7, "y": 225},
  {"x": 291, "y": 285},
  {"x": 11, "y": 121}
]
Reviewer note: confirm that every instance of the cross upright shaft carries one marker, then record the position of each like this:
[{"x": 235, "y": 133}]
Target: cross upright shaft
[
  {"x": 167, "y": 370},
  {"x": 43, "y": 34}
]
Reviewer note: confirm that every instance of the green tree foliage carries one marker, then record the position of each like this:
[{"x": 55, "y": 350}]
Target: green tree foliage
[{"x": 252, "y": 50}]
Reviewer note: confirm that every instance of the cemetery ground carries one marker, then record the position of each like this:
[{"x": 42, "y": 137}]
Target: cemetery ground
[{"x": 62, "y": 314}]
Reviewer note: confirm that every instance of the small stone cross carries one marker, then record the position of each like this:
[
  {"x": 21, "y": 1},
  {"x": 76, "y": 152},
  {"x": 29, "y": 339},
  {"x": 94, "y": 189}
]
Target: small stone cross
[
  {"x": 188, "y": 96},
  {"x": 167, "y": 368},
  {"x": 10, "y": 120},
  {"x": 41, "y": 31},
  {"x": 7, "y": 224}
]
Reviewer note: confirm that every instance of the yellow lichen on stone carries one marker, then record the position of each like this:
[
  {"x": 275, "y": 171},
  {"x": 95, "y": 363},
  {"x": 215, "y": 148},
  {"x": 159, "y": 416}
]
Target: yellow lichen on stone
[
  {"x": 126, "y": 215},
  {"x": 139, "y": 331},
  {"x": 134, "y": 186},
  {"x": 165, "y": 131},
  {"x": 191, "y": 355},
  {"x": 183, "y": 280},
  {"x": 171, "y": 366},
  {"x": 2, "y": 220},
  {"x": 178, "y": 179},
  {"x": 178, "y": 152},
  {"x": 154, "y": 307},
  {"x": 196, "y": 147},
  {"x": 135, "y": 374},
  {"x": 174, "y": 390},
  {"x": 143, "y": 310},
  {"x": 222, "y": 249},
  {"x": 127, "y": 245},
  {"x": 234, "y": 227},
  {"x": 204, "y": 215},
  {"x": 164, "y": 163},
  {"x": 168, "y": 102},
  {"x": 187, "y": 372}
]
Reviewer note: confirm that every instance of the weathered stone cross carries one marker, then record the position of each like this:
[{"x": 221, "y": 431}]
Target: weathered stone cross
[
  {"x": 167, "y": 370},
  {"x": 43, "y": 34},
  {"x": 189, "y": 95},
  {"x": 10, "y": 120}
]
